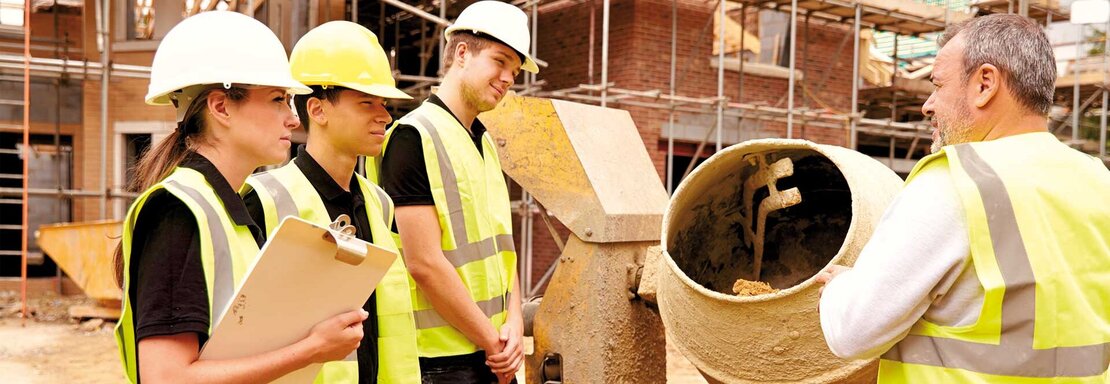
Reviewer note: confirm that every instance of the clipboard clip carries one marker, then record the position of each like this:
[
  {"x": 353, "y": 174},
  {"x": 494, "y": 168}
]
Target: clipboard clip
[{"x": 348, "y": 248}]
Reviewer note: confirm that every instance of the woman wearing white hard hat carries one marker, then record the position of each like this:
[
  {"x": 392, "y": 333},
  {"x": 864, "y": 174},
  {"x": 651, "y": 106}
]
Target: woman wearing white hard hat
[
  {"x": 187, "y": 239},
  {"x": 453, "y": 213}
]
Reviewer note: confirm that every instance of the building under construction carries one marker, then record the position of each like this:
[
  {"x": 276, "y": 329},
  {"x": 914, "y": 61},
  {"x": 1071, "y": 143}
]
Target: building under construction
[
  {"x": 823, "y": 70},
  {"x": 696, "y": 76}
]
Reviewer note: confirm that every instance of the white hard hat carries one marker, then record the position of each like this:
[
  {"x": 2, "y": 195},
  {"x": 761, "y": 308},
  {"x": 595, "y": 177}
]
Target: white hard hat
[
  {"x": 219, "y": 47},
  {"x": 503, "y": 22}
]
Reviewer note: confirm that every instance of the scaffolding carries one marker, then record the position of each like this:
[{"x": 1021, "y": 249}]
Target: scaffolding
[
  {"x": 901, "y": 17},
  {"x": 1087, "y": 79},
  {"x": 58, "y": 71}
]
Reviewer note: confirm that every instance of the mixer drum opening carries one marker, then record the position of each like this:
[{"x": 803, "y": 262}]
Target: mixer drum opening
[{"x": 773, "y": 216}]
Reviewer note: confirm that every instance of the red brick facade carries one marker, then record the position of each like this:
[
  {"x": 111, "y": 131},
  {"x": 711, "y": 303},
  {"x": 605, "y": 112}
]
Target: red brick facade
[
  {"x": 639, "y": 59},
  {"x": 640, "y": 46}
]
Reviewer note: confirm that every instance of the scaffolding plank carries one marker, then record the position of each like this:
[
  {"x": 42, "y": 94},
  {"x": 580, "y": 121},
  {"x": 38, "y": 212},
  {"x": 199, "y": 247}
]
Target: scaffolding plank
[
  {"x": 1038, "y": 9},
  {"x": 900, "y": 16},
  {"x": 11, "y": 127},
  {"x": 1086, "y": 79}
]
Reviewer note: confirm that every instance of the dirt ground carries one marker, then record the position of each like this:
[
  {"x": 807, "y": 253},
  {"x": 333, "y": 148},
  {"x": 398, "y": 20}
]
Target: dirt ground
[{"x": 51, "y": 348}]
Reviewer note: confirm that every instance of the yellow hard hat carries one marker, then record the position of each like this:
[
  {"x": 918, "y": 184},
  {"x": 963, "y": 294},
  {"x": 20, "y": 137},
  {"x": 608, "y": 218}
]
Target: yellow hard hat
[{"x": 345, "y": 54}]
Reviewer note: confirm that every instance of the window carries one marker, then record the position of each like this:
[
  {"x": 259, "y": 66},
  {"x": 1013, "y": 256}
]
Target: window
[
  {"x": 774, "y": 38},
  {"x": 11, "y": 13},
  {"x": 151, "y": 19}
]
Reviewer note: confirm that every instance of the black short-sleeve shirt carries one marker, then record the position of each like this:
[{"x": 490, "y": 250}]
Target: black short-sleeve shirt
[
  {"x": 337, "y": 201},
  {"x": 403, "y": 174},
  {"x": 168, "y": 291}
]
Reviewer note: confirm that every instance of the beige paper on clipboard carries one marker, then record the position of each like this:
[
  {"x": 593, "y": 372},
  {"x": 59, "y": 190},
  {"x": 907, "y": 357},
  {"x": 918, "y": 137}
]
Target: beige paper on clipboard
[{"x": 303, "y": 275}]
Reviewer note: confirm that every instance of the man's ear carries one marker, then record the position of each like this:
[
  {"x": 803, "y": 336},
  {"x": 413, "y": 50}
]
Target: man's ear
[
  {"x": 461, "y": 54},
  {"x": 315, "y": 109},
  {"x": 987, "y": 81}
]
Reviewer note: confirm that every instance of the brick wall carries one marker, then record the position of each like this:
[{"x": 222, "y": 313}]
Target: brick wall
[
  {"x": 125, "y": 103},
  {"x": 639, "y": 59},
  {"x": 640, "y": 45}
]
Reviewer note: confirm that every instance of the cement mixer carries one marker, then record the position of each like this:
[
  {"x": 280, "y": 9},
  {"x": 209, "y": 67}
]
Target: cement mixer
[{"x": 760, "y": 218}]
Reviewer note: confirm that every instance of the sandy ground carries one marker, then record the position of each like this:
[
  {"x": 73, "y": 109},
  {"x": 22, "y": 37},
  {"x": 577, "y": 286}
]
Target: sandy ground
[
  {"x": 57, "y": 353},
  {"x": 51, "y": 348}
]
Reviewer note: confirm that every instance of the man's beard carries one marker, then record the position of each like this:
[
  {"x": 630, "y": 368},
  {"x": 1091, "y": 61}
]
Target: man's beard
[
  {"x": 956, "y": 129},
  {"x": 473, "y": 97}
]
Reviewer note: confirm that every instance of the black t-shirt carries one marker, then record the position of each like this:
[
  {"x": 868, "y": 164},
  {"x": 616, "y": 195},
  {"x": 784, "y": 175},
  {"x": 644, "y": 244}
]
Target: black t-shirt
[
  {"x": 338, "y": 202},
  {"x": 168, "y": 291},
  {"x": 403, "y": 175}
]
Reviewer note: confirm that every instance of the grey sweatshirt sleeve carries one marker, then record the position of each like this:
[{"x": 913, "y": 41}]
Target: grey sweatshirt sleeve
[{"x": 919, "y": 250}]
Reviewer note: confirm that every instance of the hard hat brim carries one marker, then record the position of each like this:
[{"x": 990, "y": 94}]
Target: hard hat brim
[
  {"x": 379, "y": 90},
  {"x": 162, "y": 97},
  {"x": 527, "y": 65}
]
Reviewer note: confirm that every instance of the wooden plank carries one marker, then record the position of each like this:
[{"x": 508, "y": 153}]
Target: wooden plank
[{"x": 96, "y": 311}]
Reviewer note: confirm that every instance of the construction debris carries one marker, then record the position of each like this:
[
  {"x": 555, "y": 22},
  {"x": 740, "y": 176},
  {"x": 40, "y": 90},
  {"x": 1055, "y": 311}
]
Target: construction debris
[{"x": 91, "y": 325}]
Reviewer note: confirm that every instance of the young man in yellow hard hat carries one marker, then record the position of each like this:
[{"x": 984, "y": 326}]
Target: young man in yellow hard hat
[
  {"x": 453, "y": 213},
  {"x": 345, "y": 115}
]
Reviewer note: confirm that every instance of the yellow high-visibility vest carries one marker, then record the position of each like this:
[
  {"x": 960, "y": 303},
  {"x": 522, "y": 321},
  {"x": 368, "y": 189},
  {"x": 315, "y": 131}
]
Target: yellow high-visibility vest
[
  {"x": 1038, "y": 216},
  {"x": 287, "y": 192},
  {"x": 472, "y": 203},
  {"x": 226, "y": 251}
]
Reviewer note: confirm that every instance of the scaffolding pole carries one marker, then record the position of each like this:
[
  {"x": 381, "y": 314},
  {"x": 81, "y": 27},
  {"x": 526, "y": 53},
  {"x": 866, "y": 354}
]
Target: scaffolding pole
[
  {"x": 744, "y": 110},
  {"x": 26, "y": 157},
  {"x": 852, "y": 134},
  {"x": 670, "y": 123},
  {"x": 442, "y": 40},
  {"x": 740, "y": 61},
  {"x": 535, "y": 32},
  {"x": 419, "y": 12},
  {"x": 720, "y": 76},
  {"x": 604, "y": 51},
  {"x": 894, "y": 96},
  {"x": 1075, "y": 89},
  {"x": 1105, "y": 90},
  {"x": 791, "y": 80},
  {"x": 105, "y": 76}
]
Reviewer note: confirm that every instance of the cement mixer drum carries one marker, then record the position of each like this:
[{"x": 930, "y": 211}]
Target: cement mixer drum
[{"x": 777, "y": 212}]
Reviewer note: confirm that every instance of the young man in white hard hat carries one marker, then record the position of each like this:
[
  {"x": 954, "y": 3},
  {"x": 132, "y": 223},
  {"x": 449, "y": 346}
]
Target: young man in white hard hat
[
  {"x": 453, "y": 215},
  {"x": 345, "y": 115}
]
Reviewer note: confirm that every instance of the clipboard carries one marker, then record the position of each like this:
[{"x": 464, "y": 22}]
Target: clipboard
[{"x": 303, "y": 275}]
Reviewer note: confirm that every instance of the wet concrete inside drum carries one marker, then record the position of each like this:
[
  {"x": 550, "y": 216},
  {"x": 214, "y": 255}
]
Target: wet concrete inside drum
[{"x": 718, "y": 244}]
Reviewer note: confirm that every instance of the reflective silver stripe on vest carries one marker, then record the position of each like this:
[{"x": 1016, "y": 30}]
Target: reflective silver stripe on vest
[
  {"x": 464, "y": 252},
  {"x": 284, "y": 202},
  {"x": 1014, "y": 355},
  {"x": 387, "y": 205},
  {"x": 223, "y": 284},
  {"x": 429, "y": 318}
]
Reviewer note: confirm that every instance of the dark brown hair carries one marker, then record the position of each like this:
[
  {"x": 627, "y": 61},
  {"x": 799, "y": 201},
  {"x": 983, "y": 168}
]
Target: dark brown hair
[
  {"x": 300, "y": 102},
  {"x": 159, "y": 162},
  {"x": 474, "y": 44}
]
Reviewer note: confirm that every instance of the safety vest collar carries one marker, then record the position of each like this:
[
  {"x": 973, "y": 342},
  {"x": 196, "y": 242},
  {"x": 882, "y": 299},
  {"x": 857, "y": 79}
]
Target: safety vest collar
[{"x": 286, "y": 204}]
